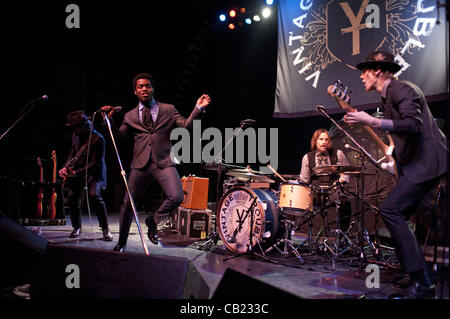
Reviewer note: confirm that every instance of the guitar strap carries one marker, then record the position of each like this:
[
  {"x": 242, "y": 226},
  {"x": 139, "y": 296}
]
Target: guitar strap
[{"x": 83, "y": 148}]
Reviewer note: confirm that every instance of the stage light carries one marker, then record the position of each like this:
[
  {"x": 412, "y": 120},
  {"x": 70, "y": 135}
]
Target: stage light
[
  {"x": 242, "y": 10},
  {"x": 248, "y": 21},
  {"x": 266, "y": 12},
  {"x": 231, "y": 26},
  {"x": 256, "y": 18},
  {"x": 222, "y": 17},
  {"x": 269, "y": 2},
  {"x": 232, "y": 13}
]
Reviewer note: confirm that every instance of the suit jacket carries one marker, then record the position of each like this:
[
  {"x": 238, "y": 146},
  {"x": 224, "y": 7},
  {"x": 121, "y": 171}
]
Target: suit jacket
[
  {"x": 421, "y": 149},
  {"x": 154, "y": 144}
]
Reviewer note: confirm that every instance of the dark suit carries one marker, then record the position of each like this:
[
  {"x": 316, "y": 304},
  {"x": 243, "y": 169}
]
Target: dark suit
[
  {"x": 421, "y": 154},
  {"x": 96, "y": 171},
  {"x": 151, "y": 158}
]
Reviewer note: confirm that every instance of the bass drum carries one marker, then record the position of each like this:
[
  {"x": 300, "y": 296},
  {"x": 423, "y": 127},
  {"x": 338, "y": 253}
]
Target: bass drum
[{"x": 235, "y": 218}]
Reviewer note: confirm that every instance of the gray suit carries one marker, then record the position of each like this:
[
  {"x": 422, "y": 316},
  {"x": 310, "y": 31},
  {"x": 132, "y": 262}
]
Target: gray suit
[{"x": 151, "y": 158}]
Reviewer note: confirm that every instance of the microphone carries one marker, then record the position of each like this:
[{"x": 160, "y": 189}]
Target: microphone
[
  {"x": 247, "y": 122},
  {"x": 352, "y": 148},
  {"x": 42, "y": 98},
  {"x": 114, "y": 108},
  {"x": 320, "y": 108}
]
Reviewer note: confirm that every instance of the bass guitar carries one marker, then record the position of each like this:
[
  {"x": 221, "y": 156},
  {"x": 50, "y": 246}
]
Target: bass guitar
[{"x": 343, "y": 100}]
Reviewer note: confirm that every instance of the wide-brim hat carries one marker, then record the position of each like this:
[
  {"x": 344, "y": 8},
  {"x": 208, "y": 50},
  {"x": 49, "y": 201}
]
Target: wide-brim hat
[
  {"x": 77, "y": 118},
  {"x": 380, "y": 59}
]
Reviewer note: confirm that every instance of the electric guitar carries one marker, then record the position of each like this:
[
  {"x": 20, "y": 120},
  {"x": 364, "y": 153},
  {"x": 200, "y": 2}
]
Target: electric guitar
[
  {"x": 343, "y": 100},
  {"x": 41, "y": 189},
  {"x": 52, "y": 204}
]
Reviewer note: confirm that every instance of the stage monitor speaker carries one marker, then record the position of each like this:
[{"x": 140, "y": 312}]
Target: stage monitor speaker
[
  {"x": 236, "y": 285},
  {"x": 22, "y": 250},
  {"x": 86, "y": 273}
]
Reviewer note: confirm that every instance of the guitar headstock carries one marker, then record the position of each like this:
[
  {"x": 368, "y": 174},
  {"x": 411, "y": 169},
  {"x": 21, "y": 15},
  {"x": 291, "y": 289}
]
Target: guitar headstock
[{"x": 337, "y": 90}]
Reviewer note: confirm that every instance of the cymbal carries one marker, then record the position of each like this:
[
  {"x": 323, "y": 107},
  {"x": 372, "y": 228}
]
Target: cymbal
[
  {"x": 216, "y": 166},
  {"x": 249, "y": 176},
  {"x": 334, "y": 169},
  {"x": 248, "y": 170}
]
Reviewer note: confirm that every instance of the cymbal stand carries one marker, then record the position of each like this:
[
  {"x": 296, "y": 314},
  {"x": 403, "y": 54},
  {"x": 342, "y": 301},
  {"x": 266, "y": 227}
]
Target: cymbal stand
[
  {"x": 214, "y": 236},
  {"x": 337, "y": 232}
]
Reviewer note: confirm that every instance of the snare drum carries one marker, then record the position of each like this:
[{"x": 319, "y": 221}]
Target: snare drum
[{"x": 296, "y": 198}]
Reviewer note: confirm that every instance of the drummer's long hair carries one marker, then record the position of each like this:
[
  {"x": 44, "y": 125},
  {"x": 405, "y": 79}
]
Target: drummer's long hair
[{"x": 315, "y": 137}]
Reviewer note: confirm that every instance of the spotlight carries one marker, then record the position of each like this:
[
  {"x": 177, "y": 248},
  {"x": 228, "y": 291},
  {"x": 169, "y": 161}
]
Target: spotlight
[
  {"x": 248, "y": 21},
  {"x": 269, "y": 2},
  {"x": 231, "y": 26},
  {"x": 266, "y": 12},
  {"x": 222, "y": 17},
  {"x": 232, "y": 13},
  {"x": 256, "y": 18}
]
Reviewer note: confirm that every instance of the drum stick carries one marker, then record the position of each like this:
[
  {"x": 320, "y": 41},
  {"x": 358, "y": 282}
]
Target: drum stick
[{"x": 276, "y": 172}]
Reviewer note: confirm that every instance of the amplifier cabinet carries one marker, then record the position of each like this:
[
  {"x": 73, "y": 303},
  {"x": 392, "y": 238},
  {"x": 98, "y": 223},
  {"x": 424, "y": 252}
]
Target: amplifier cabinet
[
  {"x": 194, "y": 223},
  {"x": 195, "y": 191}
]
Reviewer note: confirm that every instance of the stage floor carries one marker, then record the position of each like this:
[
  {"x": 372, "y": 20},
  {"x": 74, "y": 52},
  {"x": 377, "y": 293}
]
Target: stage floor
[{"x": 314, "y": 279}]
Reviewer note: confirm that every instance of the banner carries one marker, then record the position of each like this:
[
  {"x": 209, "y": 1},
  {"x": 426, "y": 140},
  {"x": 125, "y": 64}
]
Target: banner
[{"x": 321, "y": 41}]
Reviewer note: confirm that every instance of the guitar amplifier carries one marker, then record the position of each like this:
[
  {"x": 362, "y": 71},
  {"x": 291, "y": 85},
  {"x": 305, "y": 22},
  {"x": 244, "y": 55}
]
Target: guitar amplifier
[
  {"x": 194, "y": 223},
  {"x": 195, "y": 191}
]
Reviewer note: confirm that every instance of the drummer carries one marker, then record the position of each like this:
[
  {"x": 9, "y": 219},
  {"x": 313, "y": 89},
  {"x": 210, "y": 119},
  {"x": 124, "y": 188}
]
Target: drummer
[{"x": 322, "y": 154}]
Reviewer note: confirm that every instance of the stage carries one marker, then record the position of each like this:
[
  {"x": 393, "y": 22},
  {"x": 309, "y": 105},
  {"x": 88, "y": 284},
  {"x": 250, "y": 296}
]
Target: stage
[{"x": 274, "y": 277}]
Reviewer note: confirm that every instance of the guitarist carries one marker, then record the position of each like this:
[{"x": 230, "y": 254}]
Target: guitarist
[
  {"x": 421, "y": 155},
  {"x": 74, "y": 172}
]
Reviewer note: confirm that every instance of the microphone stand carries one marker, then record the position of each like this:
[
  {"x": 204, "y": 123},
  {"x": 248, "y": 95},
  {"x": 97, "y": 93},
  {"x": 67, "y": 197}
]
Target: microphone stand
[
  {"x": 213, "y": 238},
  {"x": 363, "y": 154},
  {"x": 122, "y": 171},
  {"x": 33, "y": 103}
]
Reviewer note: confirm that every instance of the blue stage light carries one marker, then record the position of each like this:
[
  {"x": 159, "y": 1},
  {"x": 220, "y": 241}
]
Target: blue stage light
[{"x": 222, "y": 17}]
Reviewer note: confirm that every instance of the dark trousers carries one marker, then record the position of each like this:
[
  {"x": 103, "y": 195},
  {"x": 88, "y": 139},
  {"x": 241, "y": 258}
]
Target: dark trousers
[
  {"x": 138, "y": 182},
  {"x": 97, "y": 205},
  {"x": 395, "y": 211}
]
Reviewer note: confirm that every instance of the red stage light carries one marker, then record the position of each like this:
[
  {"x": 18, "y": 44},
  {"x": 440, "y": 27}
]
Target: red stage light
[
  {"x": 231, "y": 26},
  {"x": 232, "y": 13}
]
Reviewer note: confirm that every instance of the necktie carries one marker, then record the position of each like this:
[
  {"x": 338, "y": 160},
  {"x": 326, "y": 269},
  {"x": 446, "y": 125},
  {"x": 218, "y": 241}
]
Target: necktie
[{"x": 148, "y": 120}]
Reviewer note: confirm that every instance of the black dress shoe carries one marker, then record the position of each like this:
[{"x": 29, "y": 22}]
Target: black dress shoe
[
  {"x": 152, "y": 232},
  {"x": 75, "y": 233},
  {"x": 119, "y": 247},
  {"x": 416, "y": 291},
  {"x": 107, "y": 235}
]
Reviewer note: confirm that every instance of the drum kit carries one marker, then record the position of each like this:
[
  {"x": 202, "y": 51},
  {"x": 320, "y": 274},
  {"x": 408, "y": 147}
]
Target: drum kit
[{"x": 251, "y": 213}]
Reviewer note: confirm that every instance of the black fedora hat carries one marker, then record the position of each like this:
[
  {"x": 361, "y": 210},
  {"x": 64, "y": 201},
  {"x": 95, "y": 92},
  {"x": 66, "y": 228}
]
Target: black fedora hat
[
  {"x": 380, "y": 59},
  {"x": 77, "y": 118}
]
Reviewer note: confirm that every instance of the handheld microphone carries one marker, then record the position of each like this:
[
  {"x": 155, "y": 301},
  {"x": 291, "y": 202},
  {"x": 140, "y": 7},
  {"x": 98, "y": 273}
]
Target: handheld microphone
[
  {"x": 352, "y": 148},
  {"x": 247, "y": 122}
]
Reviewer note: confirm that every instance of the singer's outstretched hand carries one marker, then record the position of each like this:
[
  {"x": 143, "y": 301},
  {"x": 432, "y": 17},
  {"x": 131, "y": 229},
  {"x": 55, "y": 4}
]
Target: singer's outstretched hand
[
  {"x": 204, "y": 100},
  {"x": 108, "y": 109}
]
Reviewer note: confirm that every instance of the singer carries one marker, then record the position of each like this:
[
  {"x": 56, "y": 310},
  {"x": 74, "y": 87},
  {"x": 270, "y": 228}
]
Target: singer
[
  {"x": 150, "y": 124},
  {"x": 75, "y": 168},
  {"x": 421, "y": 154}
]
